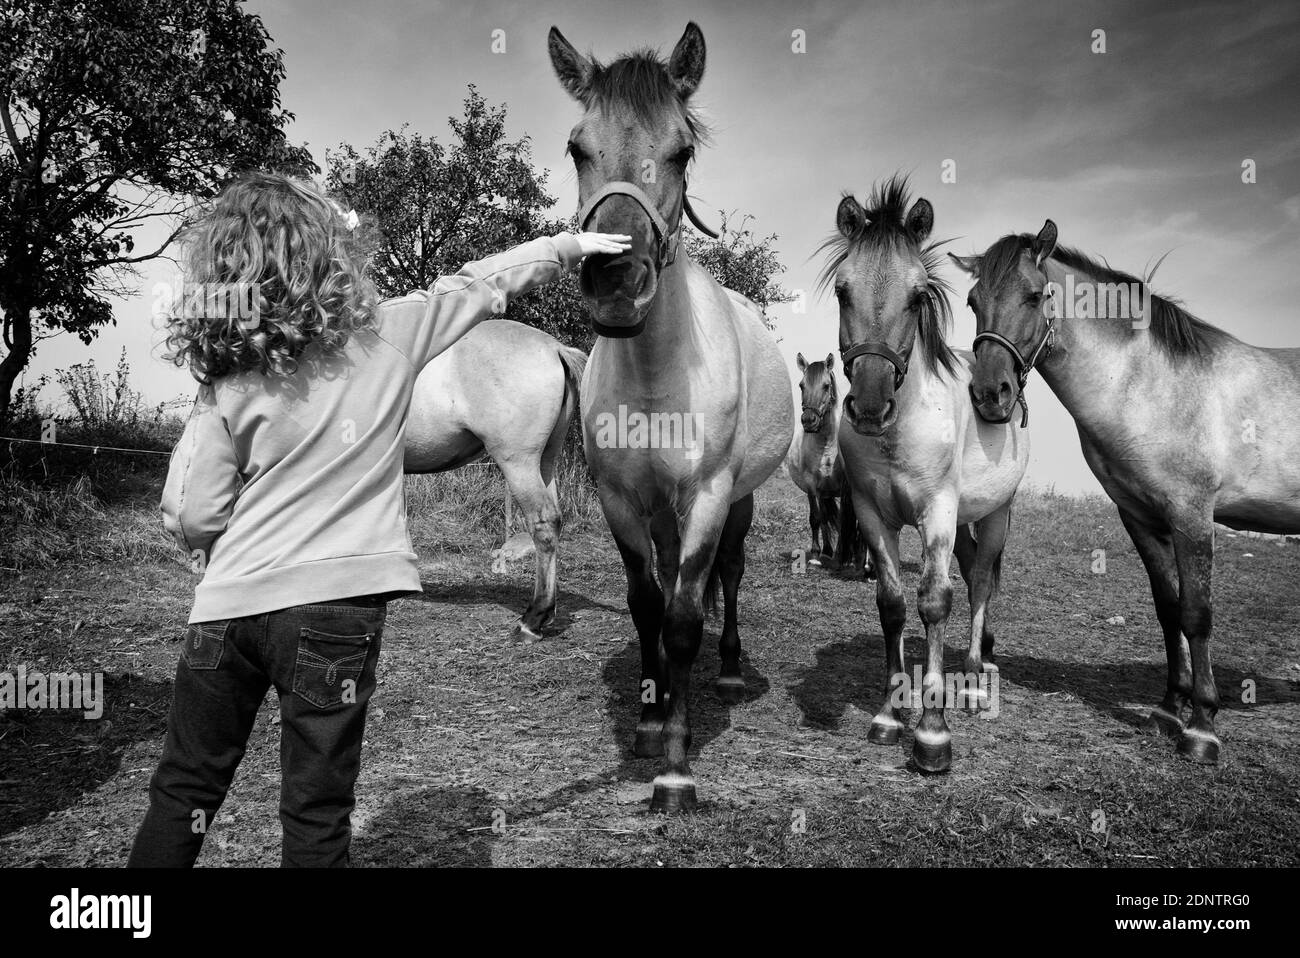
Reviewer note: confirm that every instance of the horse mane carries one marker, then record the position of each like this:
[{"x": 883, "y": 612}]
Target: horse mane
[
  {"x": 639, "y": 81},
  {"x": 885, "y": 225},
  {"x": 1174, "y": 329}
]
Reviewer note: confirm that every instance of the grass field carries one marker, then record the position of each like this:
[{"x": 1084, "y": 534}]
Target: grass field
[{"x": 464, "y": 724}]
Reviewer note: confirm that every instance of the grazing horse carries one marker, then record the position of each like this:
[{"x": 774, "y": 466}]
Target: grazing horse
[
  {"x": 674, "y": 347},
  {"x": 508, "y": 390},
  {"x": 915, "y": 451},
  {"x": 1183, "y": 425},
  {"x": 815, "y": 464}
]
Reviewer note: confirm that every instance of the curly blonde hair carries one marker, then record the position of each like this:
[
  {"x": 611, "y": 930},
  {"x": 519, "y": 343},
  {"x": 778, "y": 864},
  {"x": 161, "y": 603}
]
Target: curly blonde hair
[{"x": 270, "y": 268}]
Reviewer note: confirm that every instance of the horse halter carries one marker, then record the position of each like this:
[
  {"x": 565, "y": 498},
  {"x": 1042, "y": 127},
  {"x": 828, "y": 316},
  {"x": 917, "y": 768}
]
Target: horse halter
[
  {"x": 819, "y": 411},
  {"x": 876, "y": 348},
  {"x": 668, "y": 238},
  {"x": 1023, "y": 366}
]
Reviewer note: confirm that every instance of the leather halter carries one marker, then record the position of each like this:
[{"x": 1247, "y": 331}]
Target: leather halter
[
  {"x": 668, "y": 238},
  {"x": 1023, "y": 366},
  {"x": 873, "y": 348}
]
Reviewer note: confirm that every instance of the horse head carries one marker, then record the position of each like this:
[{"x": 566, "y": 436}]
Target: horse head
[
  {"x": 630, "y": 150},
  {"x": 817, "y": 392},
  {"x": 890, "y": 298}
]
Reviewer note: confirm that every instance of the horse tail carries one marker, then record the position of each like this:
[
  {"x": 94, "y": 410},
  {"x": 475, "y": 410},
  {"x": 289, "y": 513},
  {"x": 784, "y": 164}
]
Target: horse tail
[{"x": 575, "y": 362}]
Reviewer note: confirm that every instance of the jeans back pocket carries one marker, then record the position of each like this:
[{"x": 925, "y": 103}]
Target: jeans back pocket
[
  {"x": 204, "y": 643},
  {"x": 329, "y": 668}
]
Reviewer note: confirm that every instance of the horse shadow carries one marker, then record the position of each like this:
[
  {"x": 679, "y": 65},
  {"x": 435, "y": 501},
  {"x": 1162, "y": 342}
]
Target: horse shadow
[
  {"x": 1107, "y": 685},
  {"x": 50, "y": 759},
  {"x": 710, "y": 715},
  {"x": 435, "y": 826},
  {"x": 850, "y": 672},
  {"x": 512, "y": 595}
]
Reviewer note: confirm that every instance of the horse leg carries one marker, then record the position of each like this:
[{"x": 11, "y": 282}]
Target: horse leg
[
  {"x": 1194, "y": 554},
  {"x": 882, "y": 543},
  {"x": 814, "y": 523},
  {"x": 980, "y": 562},
  {"x": 847, "y": 533},
  {"x": 932, "y": 744},
  {"x": 730, "y": 563},
  {"x": 537, "y": 501},
  {"x": 701, "y": 528},
  {"x": 646, "y": 603},
  {"x": 826, "y": 506},
  {"x": 1155, "y": 546}
]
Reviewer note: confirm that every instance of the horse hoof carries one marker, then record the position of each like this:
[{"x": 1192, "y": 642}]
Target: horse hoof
[
  {"x": 1199, "y": 747},
  {"x": 1163, "y": 723},
  {"x": 932, "y": 752},
  {"x": 673, "y": 795},
  {"x": 649, "y": 740},
  {"x": 884, "y": 733},
  {"x": 730, "y": 688},
  {"x": 523, "y": 635}
]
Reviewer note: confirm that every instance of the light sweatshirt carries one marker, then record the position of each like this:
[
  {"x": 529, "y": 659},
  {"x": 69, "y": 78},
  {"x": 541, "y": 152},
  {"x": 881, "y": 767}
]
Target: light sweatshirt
[{"x": 288, "y": 490}]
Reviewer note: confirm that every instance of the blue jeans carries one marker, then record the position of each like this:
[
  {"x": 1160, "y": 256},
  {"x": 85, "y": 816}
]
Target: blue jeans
[{"x": 321, "y": 659}]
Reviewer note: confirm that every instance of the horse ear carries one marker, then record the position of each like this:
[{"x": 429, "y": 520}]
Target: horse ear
[
  {"x": 920, "y": 219},
  {"x": 686, "y": 65},
  {"x": 830, "y": 362},
  {"x": 967, "y": 264},
  {"x": 1044, "y": 242},
  {"x": 849, "y": 217},
  {"x": 573, "y": 69},
  {"x": 801, "y": 362}
]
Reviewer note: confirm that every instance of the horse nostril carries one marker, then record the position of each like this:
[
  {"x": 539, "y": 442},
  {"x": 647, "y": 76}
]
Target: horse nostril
[
  {"x": 888, "y": 412},
  {"x": 1004, "y": 390}
]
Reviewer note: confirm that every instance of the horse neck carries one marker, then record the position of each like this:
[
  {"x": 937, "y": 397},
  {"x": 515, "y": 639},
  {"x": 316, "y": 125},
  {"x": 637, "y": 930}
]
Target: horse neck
[
  {"x": 669, "y": 336},
  {"x": 1090, "y": 355}
]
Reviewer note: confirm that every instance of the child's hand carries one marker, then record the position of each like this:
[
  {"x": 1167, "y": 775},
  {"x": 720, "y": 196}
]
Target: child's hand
[{"x": 611, "y": 243}]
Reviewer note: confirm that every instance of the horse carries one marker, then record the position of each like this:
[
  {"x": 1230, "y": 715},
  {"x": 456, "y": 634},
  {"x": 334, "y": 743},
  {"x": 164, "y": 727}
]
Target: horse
[
  {"x": 673, "y": 347},
  {"x": 1183, "y": 424},
  {"x": 915, "y": 452},
  {"x": 508, "y": 390},
  {"x": 817, "y": 468}
]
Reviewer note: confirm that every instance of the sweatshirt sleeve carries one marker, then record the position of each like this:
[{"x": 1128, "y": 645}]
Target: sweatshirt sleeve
[
  {"x": 202, "y": 480},
  {"x": 480, "y": 290}
]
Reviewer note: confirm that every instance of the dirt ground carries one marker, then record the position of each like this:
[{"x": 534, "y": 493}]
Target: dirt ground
[{"x": 468, "y": 732}]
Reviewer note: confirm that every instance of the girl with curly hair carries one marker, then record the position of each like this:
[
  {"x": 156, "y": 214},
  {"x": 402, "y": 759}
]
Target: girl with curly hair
[{"x": 286, "y": 491}]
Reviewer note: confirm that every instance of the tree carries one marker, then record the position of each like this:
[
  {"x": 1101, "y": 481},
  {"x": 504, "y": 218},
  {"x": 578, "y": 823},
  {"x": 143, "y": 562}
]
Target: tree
[
  {"x": 113, "y": 113},
  {"x": 740, "y": 260},
  {"x": 438, "y": 207}
]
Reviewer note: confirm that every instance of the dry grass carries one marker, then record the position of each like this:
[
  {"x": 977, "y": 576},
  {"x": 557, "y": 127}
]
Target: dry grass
[{"x": 465, "y": 724}]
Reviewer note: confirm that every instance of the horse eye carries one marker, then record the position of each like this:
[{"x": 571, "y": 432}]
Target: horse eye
[
  {"x": 842, "y": 294},
  {"x": 1034, "y": 299},
  {"x": 684, "y": 156},
  {"x": 575, "y": 151}
]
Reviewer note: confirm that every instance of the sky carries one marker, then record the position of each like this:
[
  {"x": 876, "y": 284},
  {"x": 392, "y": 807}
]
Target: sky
[{"x": 1135, "y": 152}]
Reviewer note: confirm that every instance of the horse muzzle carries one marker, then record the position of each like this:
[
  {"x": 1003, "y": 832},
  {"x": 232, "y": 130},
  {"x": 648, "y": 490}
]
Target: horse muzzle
[
  {"x": 620, "y": 290},
  {"x": 870, "y": 421}
]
